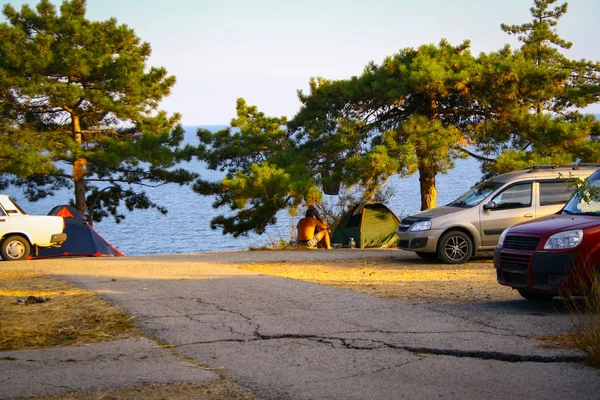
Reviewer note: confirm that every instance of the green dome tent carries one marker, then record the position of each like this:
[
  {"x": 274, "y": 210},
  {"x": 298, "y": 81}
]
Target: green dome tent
[{"x": 369, "y": 224}]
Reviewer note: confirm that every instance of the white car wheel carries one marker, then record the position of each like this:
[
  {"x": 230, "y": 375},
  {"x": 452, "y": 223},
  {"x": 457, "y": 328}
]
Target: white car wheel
[{"x": 15, "y": 248}]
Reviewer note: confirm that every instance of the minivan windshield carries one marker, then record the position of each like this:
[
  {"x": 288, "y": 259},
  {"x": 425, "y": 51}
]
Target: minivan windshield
[
  {"x": 475, "y": 195},
  {"x": 585, "y": 206}
]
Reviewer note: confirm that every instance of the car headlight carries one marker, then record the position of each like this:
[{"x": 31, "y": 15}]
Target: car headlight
[
  {"x": 421, "y": 226},
  {"x": 564, "y": 240},
  {"x": 501, "y": 239}
]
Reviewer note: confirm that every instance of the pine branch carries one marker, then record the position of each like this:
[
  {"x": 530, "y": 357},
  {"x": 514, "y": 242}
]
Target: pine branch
[{"x": 476, "y": 156}]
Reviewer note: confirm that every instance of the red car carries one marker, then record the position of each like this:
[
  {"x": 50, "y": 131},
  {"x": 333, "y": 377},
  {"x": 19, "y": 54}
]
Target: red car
[{"x": 557, "y": 255}]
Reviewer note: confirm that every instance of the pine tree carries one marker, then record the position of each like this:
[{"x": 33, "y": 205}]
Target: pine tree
[
  {"x": 537, "y": 90},
  {"x": 265, "y": 171},
  {"x": 419, "y": 110},
  {"x": 80, "y": 101},
  {"x": 411, "y": 113}
]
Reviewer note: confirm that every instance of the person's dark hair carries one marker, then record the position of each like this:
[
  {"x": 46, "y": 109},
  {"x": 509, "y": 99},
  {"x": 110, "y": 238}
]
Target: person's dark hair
[{"x": 310, "y": 213}]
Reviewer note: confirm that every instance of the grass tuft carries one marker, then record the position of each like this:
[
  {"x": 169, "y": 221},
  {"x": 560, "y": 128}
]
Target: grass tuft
[
  {"x": 586, "y": 321},
  {"x": 586, "y": 336}
]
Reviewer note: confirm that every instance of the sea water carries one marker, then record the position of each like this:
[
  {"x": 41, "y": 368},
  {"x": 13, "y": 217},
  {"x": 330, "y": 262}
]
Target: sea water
[{"x": 186, "y": 226}]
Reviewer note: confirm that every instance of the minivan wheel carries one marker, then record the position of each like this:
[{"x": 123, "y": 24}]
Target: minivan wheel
[
  {"x": 427, "y": 256},
  {"x": 535, "y": 296},
  {"x": 455, "y": 247},
  {"x": 15, "y": 248}
]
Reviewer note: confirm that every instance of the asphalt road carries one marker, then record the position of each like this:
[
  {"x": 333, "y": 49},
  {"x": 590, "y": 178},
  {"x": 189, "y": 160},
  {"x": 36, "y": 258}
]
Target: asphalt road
[{"x": 287, "y": 339}]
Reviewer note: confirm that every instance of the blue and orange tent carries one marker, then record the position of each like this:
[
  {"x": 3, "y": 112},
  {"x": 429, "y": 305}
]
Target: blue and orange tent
[{"x": 82, "y": 239}]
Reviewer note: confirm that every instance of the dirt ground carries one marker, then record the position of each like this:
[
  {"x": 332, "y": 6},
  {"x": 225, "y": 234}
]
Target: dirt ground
[
  {"x": 414, "y": 280},
  {"x": 58, "y": 314}
]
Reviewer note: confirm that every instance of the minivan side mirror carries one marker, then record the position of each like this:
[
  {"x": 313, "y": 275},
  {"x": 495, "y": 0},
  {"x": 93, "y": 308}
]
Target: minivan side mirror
[{"x": 489, "y": 206}]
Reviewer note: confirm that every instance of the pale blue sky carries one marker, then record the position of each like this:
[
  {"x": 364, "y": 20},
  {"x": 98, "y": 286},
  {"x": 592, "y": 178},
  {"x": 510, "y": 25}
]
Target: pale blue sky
[{"x": 265, "y": 50}]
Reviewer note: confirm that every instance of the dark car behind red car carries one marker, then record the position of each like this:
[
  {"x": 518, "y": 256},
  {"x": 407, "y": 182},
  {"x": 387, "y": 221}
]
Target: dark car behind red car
[{"x": 557, "y": 255}]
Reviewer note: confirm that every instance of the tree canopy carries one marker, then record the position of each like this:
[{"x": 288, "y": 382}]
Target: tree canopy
[
  {"x": 417, "y": 111},
  {"x": 79, "y": 108},
  {"x": 535, "y": 93},
  {"x": 395, "y": 118},
  {"x": 265, "y": 170},
  {"x": 408, "y": 114}
]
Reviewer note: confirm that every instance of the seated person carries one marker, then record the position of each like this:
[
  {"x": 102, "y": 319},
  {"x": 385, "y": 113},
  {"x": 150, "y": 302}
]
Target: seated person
[{"x": 311, "y": 231}]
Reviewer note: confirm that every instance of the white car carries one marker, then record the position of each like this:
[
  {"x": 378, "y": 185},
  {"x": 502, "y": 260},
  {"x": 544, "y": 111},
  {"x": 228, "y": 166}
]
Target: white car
[{"x": 21, "y": 232}]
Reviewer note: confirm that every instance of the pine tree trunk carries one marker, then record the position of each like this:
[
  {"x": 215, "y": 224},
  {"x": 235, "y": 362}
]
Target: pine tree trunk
[
  {"x": 427, "y": 185},
  {"x": 427, "y": 168},
  {"x": 79, "y": 170}
]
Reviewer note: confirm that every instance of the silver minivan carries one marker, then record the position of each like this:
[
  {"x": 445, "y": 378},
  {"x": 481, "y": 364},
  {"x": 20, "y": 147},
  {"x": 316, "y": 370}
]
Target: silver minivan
[{"x": 473, "y": 222}]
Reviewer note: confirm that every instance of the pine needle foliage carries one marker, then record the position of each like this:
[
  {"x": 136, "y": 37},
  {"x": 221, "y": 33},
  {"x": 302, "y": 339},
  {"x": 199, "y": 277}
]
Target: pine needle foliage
[{"x": 81, "y": 104}]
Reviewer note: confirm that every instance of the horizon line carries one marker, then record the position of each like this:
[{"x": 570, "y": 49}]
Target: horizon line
[{"x": 197, "y": 125}]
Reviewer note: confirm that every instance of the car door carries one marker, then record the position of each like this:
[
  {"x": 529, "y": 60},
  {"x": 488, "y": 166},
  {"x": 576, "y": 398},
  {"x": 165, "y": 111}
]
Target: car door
[
  {"x": 4, "y": 222},
  {"x": 510, "y": 206},
  {"x": 553, "y": 195}
]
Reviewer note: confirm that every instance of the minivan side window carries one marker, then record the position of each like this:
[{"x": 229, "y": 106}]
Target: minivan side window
[
  {"x": 516, "y": 196},
  {"x": 555, "y": 192}
]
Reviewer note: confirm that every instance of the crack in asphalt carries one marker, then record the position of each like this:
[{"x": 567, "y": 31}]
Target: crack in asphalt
[
  {"x": 352, "y": 344},
  {"x": 465, "y": 318},
  {"x": 506, "y": 333},
  {"x": 373, "y": 344},
  {"x": 479, "y": 354},
  {"x": 46, "y": 383}
]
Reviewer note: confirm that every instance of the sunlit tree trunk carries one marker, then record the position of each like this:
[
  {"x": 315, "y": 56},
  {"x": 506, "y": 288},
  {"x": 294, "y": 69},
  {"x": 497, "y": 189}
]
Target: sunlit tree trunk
[
  {"x": 79, "y": 169},
  {"x": 427, "y": 185}
]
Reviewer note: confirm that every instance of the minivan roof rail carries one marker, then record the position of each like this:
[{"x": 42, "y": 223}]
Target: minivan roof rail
[
  {"x": 541, "y": 166},
  {"x": 588, "y": 165},
  {"x": 538, "y": 167}
]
